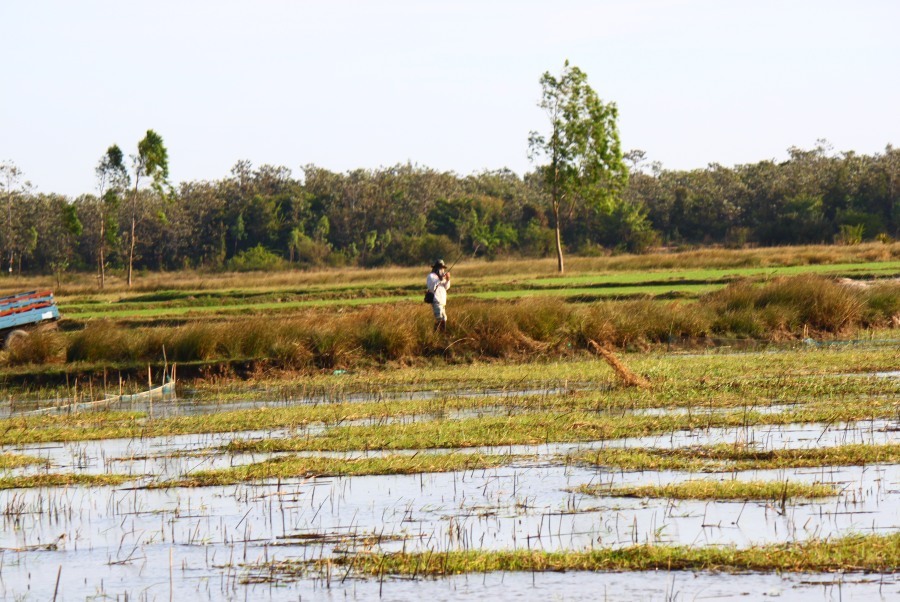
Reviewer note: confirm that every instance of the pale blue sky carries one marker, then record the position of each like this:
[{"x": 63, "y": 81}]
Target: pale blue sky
[{"x": 448, "y": 85}]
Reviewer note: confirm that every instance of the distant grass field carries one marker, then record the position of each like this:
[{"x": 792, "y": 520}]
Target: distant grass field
[
  {"x": 137, "y": 310},
  {"x": 723, "y": 275},
  {"x": 577, "y": 287}
]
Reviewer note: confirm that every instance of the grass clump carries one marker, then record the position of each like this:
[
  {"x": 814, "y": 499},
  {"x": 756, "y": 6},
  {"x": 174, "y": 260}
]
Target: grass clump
[
  {"x": 309, "y": 467},
  {"x": 788, "y": 306},
  {"x": 61, "y": 480},
  {"x": 9, "y": 461},
  {"x": 865, "y": 553},
  {"x": 722, "y": 458},
  {"x": 38, "y": 347},
  {"x": 103, "y": 341},
  {"x": 716, "y": 490}
]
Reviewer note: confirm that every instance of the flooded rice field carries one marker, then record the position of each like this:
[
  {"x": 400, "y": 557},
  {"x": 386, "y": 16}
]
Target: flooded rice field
[
  {"x": 210, "y": 542},
  {"x": 150, "y": 539}
]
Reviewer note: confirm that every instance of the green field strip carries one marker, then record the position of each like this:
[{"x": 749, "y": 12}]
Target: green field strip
[
  {"x": 882, "y": 269},
  {"x": 609, "y": 285},
  {"x": 611, "y": 292}
]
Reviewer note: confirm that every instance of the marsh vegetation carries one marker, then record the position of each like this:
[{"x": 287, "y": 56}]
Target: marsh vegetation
[{"x": 349, "y": 448}]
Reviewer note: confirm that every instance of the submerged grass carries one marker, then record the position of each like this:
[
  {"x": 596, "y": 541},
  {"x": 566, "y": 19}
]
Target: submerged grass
[
  {"x": 309, "y": 467},
  {"x": 716, "y": 490},
  {"x": 804, "y": 385},
  {"x": 552, "y": 427},
  {"x": 526, "y": 419},
  {"x": 679, "y": 379},
  {"x": 724, "y": 458},
  {"x": 867, "y": 553}
]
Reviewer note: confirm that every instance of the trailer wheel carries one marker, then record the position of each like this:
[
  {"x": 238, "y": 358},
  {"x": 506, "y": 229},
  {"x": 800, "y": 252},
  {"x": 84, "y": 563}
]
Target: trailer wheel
[{"x": 14, "y": 339}]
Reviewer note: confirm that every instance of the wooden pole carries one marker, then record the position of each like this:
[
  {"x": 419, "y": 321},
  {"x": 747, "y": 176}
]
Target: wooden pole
[{"x": 149, "y": 387}]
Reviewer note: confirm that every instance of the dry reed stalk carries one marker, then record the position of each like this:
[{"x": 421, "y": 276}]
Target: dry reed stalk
[{"x": 628, "y": 378}]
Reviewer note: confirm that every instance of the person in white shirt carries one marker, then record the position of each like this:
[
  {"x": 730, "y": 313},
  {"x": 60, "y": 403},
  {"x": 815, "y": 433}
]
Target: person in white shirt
[{"x": 437, "y": 283}]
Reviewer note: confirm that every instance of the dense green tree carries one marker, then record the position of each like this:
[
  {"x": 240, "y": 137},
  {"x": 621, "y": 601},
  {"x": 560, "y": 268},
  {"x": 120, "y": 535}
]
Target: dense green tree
[
  {"x": 49, "y": 227},
  {"x": 201, "y": 220},
  {"x": 63, "y": 239}
]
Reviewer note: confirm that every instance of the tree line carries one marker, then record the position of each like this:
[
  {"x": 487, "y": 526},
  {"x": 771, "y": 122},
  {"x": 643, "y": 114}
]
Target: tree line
[
  {"x": 268, "y": 218},
  {"x": 587, "y": 196}
]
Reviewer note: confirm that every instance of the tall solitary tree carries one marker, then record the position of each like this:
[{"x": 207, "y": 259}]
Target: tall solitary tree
[
  {"x": 151, "y": 161},
  {"x": 112, "y": 181},
  {"x": 585, "y": 164},
  {"x": 12, "y": 186}
]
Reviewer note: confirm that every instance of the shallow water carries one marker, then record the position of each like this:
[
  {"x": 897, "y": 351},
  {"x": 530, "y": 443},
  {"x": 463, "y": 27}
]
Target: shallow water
[
  {"x": 893, "y": 374},
  {"x": 201, "y": 543},
  {"x": 123, "y": 538},
  {"x": 675, "y": 586},
  {"x": 192, "y": 583},
  {"x": 177, "y": 455}
]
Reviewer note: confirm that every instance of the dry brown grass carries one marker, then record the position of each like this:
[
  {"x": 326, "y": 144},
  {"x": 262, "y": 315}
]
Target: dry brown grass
[
  {"x": 84, "y": 283},
  {"x": 782, "y": 309}
]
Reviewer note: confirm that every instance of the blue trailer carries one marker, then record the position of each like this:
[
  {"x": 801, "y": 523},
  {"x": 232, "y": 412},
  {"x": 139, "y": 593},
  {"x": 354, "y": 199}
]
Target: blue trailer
[{"x": 23, "y": 312}]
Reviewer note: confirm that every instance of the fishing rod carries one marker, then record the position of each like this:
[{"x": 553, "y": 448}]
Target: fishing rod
[{"x": 461, "y": 254}]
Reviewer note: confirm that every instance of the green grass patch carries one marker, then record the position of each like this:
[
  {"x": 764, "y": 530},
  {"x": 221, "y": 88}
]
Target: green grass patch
[
  {"x": 307, "y": 467},
  {"x": 722, "y": 275},
  {"x": 83, "y": 427},
  {"x": 866, "y": 553},
  {"x": 538, "y": 428},
  {"x": 780, "y": 373},
  {"x": 716, "y": 490},
  {"x": 724, "y": 458},
  {"x": 89, "y": 313},
  {"x": 9, "y": 461},
  {"x": 666, "y": 290},
  {"x": 61, "y": 480}
]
